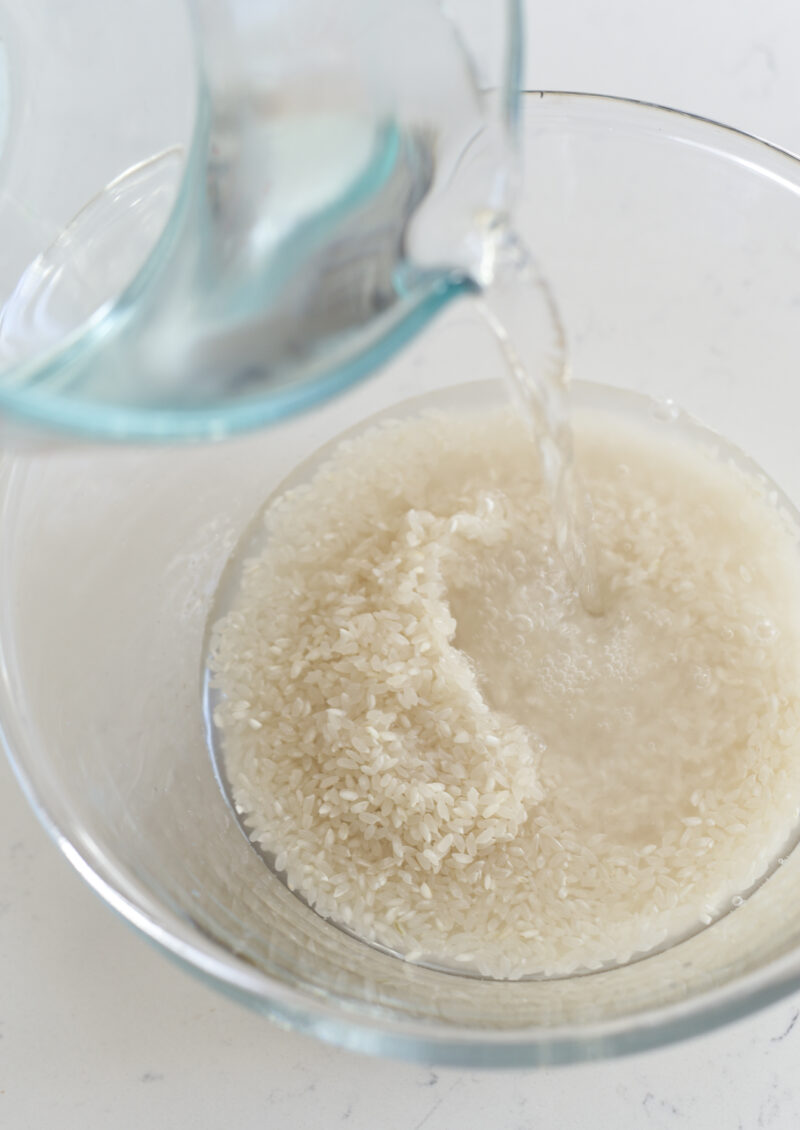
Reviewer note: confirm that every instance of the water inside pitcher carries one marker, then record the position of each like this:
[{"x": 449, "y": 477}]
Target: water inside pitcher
[{"x": 331, "y": 198}]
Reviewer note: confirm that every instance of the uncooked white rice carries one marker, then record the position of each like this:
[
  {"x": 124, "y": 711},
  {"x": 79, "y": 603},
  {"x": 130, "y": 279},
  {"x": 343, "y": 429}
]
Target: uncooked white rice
[{"x": 447, "y": 755}]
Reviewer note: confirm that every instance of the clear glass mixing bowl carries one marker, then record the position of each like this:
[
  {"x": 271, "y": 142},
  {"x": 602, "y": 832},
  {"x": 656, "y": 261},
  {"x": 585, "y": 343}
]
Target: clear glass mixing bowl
[{"x": 673, "y": 246}]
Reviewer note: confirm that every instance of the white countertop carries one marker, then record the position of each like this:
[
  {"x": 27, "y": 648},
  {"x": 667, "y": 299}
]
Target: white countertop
[{"x": 99, "y": 1032}]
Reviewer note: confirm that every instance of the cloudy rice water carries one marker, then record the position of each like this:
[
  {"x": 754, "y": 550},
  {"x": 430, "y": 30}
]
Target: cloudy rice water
[{"x": 445, "y": 753}]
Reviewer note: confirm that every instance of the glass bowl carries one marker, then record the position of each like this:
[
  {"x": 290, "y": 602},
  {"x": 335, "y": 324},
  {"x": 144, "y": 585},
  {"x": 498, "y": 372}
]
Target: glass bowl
[{"x": 673, "y": 246}]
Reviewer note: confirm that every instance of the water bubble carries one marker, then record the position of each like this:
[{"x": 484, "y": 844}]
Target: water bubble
[
  {"x": 737, "y": 900},
  {"x": 702, "y": 678},
  {"x": 765, "y": 630},
  {"x": 726, "y": 633},
  {"x": 667, "y": 411}
]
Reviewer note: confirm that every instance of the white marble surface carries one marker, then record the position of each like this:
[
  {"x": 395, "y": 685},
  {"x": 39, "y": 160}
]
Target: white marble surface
[
  {"x": 735, "y": 61},
  {"x": 99, "y": 1031}
]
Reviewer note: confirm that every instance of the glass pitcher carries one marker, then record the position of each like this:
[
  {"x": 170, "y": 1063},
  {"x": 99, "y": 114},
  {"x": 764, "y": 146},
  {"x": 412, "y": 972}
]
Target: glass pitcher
[{"x": 333, "y": 166}]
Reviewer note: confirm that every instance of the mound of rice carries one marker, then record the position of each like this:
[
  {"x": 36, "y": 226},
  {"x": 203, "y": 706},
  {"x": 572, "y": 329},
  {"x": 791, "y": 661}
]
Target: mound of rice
[{"x": 446, "y": 754}]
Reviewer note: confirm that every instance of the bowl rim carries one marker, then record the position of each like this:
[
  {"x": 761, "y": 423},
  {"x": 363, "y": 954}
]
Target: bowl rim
[{"x": 359, "y": 1027}]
